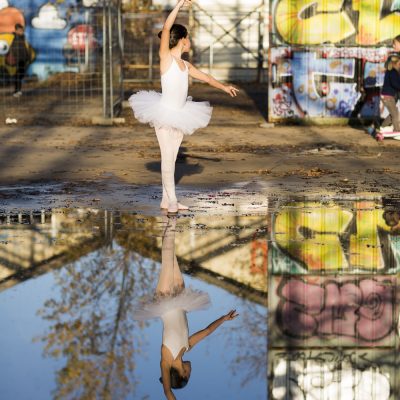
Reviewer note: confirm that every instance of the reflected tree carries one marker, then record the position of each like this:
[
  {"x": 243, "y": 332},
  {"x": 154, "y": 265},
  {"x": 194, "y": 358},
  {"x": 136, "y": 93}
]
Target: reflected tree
[
  {"x": 91, "y": 324},
  {"x": 251, "y": 339}
]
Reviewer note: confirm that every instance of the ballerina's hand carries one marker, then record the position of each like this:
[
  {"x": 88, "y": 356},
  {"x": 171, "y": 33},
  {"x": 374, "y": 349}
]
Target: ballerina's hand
[
  {"x": 231, "y": 315},
  {"x": 183, "y": 3},
  {"x": 231, "y": 90}
]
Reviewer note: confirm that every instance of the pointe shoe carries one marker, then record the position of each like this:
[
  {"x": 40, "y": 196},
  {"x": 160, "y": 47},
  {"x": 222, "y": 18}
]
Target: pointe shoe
[
  {"x": 173, "y": 208},
  {"x": 182, "y": 207},
  {"x": 165, "y": 206}
]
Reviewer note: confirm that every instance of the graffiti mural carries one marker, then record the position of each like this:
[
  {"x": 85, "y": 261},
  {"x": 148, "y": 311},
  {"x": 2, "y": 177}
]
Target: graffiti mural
[
  {"x": 337, "y": 48},
  {"x": 332, "y": 375},
  {"x": 333, "y": 296},
  {"x": 357, "y": 237},
  {"x": 343, "y": 310},
  {"x": 55, "y": 31},
  {"x": 313, "y": 22}
]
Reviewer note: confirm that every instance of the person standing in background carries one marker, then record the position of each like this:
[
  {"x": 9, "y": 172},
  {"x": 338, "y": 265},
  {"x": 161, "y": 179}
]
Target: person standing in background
[
  {"x": 389, "y": 97},
  {"x": 21, "y": 55}
]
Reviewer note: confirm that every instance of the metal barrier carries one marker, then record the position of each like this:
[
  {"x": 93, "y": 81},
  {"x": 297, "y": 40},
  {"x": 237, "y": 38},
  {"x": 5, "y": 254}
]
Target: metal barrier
[
  {"x": 76, "y": 71},
  {"x": 230, "y": 44}
]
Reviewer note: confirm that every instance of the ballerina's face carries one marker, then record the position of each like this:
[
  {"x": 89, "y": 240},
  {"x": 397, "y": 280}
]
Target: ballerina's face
[
  {"x": 187, "y": 369},
  {"x": 186, "y": 44},
  {"x": 396, "y": 45}
]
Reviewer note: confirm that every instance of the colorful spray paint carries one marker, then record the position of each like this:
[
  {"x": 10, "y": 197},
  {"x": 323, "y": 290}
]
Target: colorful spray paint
[
  {"x": 59, "y": 32},
  {"x": 327, "y": 57},
  {"x": 333, "y": 292}
]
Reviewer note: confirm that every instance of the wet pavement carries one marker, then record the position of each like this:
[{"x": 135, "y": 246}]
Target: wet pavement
[{"x": 314, "y": 280}]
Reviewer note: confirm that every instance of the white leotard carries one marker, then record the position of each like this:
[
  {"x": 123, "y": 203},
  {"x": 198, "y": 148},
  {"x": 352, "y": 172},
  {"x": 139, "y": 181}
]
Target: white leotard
[
  {"x": 174, "y": 85},
  {"x": 172, "y": 108},
  {"x": 175, "y": 331}
]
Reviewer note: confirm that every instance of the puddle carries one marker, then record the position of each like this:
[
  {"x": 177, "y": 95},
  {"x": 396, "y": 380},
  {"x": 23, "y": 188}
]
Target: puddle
[
  {"x": 315, "y": 284},
  {"x": 326, "y": 150},
  {"x": 72, "y": 281}
]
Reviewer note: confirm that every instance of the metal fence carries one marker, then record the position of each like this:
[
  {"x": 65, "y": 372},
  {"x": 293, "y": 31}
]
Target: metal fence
[
  {"x": 230, "y": 45},
  {"x": 76, "y": 71}
]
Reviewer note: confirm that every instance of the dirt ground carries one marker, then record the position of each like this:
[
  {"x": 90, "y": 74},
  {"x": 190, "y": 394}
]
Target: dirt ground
[{"x": 235, "y": 148}]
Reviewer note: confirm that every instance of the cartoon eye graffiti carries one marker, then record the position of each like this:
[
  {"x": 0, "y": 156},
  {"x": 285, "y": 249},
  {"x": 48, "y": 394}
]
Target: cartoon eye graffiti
[{"x": 4, "y": 47}]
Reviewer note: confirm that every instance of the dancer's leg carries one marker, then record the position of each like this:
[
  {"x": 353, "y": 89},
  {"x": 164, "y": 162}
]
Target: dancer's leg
[
  {"x": 170, "y": 278},
  {"x": 169, "y": 141}
]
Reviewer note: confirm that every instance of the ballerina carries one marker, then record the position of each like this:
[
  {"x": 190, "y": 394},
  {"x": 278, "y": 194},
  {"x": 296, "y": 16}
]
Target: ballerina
[
  {"x": 172, "y": 113},
  {"x": 171, "y": 303}
]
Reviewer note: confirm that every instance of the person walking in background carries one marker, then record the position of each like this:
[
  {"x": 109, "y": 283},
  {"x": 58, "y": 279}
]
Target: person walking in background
[
  {"x": 389, "y": 97},
  {"x": 374, "y": 127},
  {"x": 21, "y": 55},
  {"x": 396, "y": 50},
  {"x": 173, "y": 114}
]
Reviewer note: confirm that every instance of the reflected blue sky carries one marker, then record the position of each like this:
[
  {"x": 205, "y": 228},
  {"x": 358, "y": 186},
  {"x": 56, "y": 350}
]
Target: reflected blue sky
[{"x": 220, "y": 363}]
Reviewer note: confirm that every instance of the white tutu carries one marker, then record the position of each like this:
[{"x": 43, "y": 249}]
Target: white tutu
[
  {"x": 188, "y": 299},
  {"x": 149, "y": 109}
]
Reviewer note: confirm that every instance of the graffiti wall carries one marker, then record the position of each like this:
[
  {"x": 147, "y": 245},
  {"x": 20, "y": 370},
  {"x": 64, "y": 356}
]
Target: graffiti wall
[
  {"x": 64, "y": 35},
  {"x": 333, "y": 374},
  {"x": 327, "y": 57},
  {"x": 347, "y": 310},
  {"x": 355, "y": 237},
  {"x": 333, "y": 300}
]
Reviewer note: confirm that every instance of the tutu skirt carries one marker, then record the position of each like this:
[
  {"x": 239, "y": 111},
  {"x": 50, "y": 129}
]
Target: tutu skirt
[
  {"x": 188, "y": 299},
  {"x": 149, "y": 109}
]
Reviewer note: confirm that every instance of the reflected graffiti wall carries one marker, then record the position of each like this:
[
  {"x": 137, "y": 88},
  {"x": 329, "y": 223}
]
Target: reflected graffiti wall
[
  {"x": 64, "y": 35},
  {"x": 337, "y": 50},
  {"x": 344, "y": 310},
  {"x": 332, "y": 375},
  {"x": 352, "y": 237},
  {"x": 333, "y": 286}
]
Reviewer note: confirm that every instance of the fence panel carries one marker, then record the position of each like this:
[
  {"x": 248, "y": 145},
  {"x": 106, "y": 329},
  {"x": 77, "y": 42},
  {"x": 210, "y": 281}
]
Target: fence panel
[{"x": 230, "y": 44}]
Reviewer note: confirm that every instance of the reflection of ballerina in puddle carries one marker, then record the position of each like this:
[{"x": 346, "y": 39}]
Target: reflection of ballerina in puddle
[{"x": 171, "y": 302}]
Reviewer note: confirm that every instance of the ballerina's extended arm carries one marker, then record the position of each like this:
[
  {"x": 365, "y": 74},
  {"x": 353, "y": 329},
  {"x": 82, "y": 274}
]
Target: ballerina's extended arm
[
  {"x": 166, "y": 380},
  {"x": 164, "y": 45},
  {"x": 202, "y": 76},
  {"x": 200, "y": 335}
]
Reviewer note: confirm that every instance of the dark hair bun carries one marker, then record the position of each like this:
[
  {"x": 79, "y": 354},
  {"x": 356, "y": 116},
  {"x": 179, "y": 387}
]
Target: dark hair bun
[{"x": 176, "y": 33}]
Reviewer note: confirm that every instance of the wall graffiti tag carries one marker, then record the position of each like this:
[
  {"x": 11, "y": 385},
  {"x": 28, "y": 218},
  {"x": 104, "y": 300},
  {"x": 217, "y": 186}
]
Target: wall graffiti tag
[
  {"x": 334, "y": 237},
  {"x": 333, "y": 300},
  {"x": 348, "y": 310},
  {"x": 312, "y": 22},
  {"x": 59, "y": 32},
  {"x": 329, "y": 44},
  {"x": 332, "y": 375}
]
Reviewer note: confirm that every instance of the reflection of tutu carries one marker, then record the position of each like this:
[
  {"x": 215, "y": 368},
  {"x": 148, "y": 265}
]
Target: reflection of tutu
[
  {"x": 188, "y": 299},
  {"x": 149, "y": 109}
]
